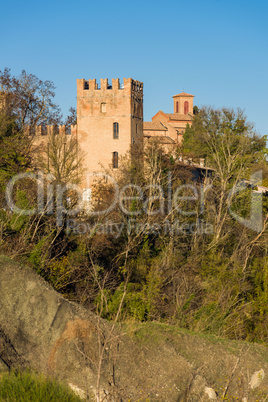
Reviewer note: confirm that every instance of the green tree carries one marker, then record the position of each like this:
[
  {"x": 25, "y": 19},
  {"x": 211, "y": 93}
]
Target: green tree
[
  {"x": 233, "y": 151},
  {"x": 25, "y": 101},
  {"x": 28, "y": 100}
]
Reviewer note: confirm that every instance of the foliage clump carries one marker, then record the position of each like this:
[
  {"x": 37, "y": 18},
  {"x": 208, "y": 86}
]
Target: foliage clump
[{"x": 31, "y": 387}]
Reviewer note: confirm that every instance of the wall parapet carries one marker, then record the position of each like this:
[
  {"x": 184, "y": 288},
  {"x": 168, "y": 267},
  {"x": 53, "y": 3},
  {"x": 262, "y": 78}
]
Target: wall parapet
[{"x": 45, "y": 130}]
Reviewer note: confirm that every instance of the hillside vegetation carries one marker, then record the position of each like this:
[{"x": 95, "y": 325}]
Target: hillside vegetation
[
  {"x": 171, "y": 250},
  {"x": 102, "y": 360}
]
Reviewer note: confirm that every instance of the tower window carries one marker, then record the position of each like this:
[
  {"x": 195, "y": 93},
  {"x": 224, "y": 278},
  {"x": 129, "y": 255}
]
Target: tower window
[
  {"x": 103, "y": 107},
  {"x": 186, "y": 107},
  {"x": 177, "y": 107},
  {"x": 116, "y": 130},
  {"x": 115, "y": 160}
]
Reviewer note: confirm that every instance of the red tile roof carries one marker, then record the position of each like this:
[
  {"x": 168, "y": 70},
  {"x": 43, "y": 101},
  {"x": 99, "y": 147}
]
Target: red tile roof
[
  {"x": 155, "y": 126},
  {"x": 178, "y": 116},
  {"x": 183, "y": 94},
  {"x": 161, "y": 139}
]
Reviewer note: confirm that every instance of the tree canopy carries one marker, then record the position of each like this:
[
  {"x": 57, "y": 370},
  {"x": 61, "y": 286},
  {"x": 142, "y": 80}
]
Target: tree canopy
[
  {"x": 226, "y": 140},
  {"x": 25, "y": 101},
  {"x": 28, "y": 100}
]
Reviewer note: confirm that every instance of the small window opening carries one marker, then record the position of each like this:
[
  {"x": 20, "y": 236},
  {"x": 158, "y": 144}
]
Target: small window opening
[
  {"x": 177, "y": 107},
  {"x": 116, "y": 130},
  {"x": 103, "y": 107},
  {"x": 115, "y": 160},
  {"x": 43, "y": 129},
  {"x": 55, "y": 129}
]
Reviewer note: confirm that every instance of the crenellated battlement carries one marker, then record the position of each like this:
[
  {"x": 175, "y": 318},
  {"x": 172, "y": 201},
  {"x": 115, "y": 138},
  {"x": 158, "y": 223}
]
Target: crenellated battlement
[
  {"x": 90, "y": 85},
  {"x": 47, "y": 130}
]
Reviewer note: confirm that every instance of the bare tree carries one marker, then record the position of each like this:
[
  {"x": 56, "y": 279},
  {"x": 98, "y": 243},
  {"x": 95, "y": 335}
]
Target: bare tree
[{"x": 61, "y": 157}]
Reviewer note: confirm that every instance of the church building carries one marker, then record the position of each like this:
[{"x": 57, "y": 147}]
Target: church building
[{"x": 168, "y": 128}]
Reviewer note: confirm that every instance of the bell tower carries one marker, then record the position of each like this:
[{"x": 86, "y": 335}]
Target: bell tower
[{"x": 183, "y": 103}]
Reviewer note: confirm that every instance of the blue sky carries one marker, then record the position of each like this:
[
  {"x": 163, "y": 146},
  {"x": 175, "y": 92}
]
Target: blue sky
[{"x": 216, "y": 50}]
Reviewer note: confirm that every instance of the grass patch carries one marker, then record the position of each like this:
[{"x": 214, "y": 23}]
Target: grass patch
[
  {"x": 155, "y": 333},
  {"x": 31, "y": 387}
]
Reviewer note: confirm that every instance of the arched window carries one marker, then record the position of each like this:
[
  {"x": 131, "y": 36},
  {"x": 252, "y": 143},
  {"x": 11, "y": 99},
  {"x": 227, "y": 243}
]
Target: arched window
[
  {"x": 186, "y": 107},
  {"x": 116, "y": 130},
  {"x": 103, "y": 107},
  {"x": 177, "y": 107},
  {"x": 115, "y": 160}
]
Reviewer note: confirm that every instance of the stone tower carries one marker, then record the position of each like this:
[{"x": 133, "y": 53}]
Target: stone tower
[{"x": 109, "y": 121}]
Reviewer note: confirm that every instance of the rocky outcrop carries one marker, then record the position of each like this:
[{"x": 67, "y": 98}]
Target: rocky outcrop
[{"x": 39, "y": 328}]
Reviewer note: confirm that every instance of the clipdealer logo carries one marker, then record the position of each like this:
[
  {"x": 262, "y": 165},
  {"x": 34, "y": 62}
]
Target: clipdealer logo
[
  {"x": 255, "y": 220},
  {"x": 51, "y": 199}
]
